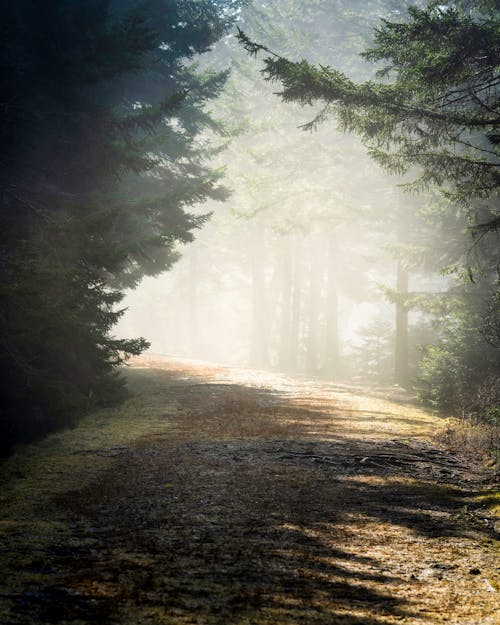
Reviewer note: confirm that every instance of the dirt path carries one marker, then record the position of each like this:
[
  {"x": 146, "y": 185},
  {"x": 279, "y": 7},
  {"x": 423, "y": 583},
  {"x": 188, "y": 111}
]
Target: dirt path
[{"x": 219, "y": 496}]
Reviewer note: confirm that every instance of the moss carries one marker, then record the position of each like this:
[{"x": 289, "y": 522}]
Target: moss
[{"x": 490, "y": 499}]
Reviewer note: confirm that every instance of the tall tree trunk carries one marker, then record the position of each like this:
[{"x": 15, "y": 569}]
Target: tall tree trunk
[
  {"x": 332, "y": 343},
  {"x": 194, "y": 329},
  {"x": 313, "y": 321},
  {"x": 295, "y": 320},
  {"x": 259, "y": 352},
  {"x": 401, "y": 375},
  {"x": 286, "y": 307}
]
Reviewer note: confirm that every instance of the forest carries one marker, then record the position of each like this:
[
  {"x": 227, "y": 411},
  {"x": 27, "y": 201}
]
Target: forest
[
  {"x": 366, "y": 249},
  {"x": 269, "y": 201}
]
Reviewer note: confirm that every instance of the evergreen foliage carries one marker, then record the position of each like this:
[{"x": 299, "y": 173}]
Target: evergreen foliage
[
  {"x": 435, "y": 105},
  {"x": 104, "y": 141},
  {"x": 432, "y": 112},
  {"x": 459, "y": 372}
]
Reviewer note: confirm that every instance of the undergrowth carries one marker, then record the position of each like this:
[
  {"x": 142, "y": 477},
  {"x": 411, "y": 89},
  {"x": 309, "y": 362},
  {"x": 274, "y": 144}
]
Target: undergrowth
[{"x": 474, "y": 438}]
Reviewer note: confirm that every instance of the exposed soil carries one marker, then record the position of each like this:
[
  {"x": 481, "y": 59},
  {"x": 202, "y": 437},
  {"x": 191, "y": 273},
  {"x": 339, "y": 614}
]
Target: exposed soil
[{"x": 238, "y": 497}]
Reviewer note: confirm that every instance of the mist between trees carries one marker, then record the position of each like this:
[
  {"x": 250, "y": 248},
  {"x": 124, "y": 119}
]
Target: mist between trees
[
  {"x": 320, "y": 262},
  {"x": 149, "y": 135},
  {"x": 301, "y": 289}
]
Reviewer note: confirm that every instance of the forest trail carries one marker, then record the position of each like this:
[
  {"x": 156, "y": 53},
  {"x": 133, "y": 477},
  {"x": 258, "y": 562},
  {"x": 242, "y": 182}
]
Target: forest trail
[{"x": 231, "y": 497}]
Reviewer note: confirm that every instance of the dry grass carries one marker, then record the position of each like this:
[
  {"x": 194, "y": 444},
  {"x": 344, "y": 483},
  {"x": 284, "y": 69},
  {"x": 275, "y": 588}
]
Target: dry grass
[
  {"x": 477, "y": 439},
  {"x": 224, "y": 497}
]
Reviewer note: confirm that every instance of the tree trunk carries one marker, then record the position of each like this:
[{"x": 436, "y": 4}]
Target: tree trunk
[
  {"x": 259, "y": 353},
  {"x": 401, "y": 375},
  {"x": 295, "y": 320},
  {"x": 315, "y": 279},
  {"x": 332, "y": 346},
  {"x": 194, "y": 331},
  {"x": 284, "y": 357}
]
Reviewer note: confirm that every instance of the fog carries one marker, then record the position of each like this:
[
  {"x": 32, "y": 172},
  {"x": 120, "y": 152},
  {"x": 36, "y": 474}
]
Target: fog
[{"x": 298, "y": 269}]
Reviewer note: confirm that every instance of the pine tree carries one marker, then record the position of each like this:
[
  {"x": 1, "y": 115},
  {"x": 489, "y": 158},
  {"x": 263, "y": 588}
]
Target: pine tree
[
  {"x": 105, "y": 142},
  {"x": 432, "y": 113},
  {"x": 435, "y": 104}
]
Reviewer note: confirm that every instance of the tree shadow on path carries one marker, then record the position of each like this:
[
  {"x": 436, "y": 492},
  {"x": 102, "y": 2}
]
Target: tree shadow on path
[{"x": 243, "y": 516}]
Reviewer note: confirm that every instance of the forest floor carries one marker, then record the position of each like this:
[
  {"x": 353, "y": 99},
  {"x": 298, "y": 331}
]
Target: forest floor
[{"x": 232, "y": 497}]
